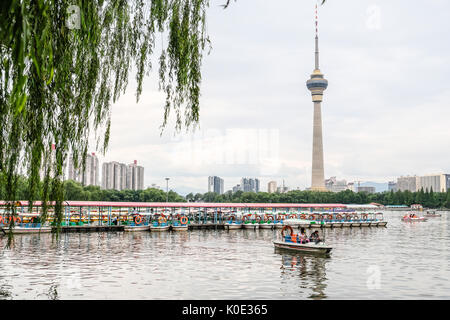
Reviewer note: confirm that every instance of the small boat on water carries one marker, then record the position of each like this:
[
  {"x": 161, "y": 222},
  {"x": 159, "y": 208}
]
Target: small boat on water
[
  {"x": 413, "y": 218},
  {"x": 181, "y": 224},
  {"x": 26, "y": 230},
  {"x": 180, "y": 227},
  {"x": 252, "y": 226},
  {"x": 432, "y": 214},
  {"x": 160, "y": 225},
  {"x": 139, "y": 223},
  {"x": 232, "y": 223},
  {"x": 379, "y": 220},
  {"x": 250, "y": 223},
  {"x": 133, "y": 228},
  {"x": 159, "y": 228},
  {"x": 268, "y": 222},
  {"x": 293, "y": 243}
]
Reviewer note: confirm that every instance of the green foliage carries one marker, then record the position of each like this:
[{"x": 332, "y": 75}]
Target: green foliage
[
  {"x": 75, "y": 191},
  {"x": 447, "y": 200},
  {"x": 58, "y": 79},
  {"x": 427, "y": 199}
]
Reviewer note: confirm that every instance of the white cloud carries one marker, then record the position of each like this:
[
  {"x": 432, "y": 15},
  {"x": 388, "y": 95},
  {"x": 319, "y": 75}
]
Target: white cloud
[{"x": 385, "y": 112}]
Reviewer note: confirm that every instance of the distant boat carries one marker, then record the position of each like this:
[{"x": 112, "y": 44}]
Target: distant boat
[
  {"x": 432, "y": 214},
  {"x": 408, "y": 218}
]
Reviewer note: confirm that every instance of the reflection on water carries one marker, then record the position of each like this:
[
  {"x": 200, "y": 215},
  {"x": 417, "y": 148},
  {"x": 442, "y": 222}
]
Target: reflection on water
[
  {"x": 404, "y": 260},
  {"x": 310, "y": 270}
]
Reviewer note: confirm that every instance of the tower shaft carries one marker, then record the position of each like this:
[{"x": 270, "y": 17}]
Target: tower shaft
[{"x": 318, "y": 176}]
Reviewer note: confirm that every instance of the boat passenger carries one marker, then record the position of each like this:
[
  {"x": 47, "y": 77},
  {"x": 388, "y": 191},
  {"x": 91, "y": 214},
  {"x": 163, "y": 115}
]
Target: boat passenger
[
  {"x": 314, "y": 237},
  {"x": 303, "y": 237}
]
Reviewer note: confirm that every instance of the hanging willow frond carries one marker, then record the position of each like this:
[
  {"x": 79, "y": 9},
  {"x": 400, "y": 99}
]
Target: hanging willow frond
[{"x": 62, "y": 64}]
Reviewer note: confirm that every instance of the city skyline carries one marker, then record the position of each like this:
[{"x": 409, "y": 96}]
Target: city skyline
[{"x": 395, "y": 133}]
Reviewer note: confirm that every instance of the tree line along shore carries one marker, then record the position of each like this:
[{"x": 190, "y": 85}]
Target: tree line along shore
[{"x": 76, "y": 192}]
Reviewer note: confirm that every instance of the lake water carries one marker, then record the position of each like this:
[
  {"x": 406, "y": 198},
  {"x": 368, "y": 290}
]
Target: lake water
[{"x": 401, "y": 261}]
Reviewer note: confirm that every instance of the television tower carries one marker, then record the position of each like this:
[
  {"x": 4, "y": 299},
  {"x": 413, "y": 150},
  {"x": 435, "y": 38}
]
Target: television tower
[{"x": 317, "y": 85}]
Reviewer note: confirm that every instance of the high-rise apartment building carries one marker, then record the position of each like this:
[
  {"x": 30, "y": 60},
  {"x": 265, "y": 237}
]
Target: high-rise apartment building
[
  {"x": 135, "y": 176},
  {"x": 272, "y": 187},
  {"x": 87, "y": 175},
  {"x": 120, "y": 176},
  {"x": 250, "y": 185},
  {"x": 215, "y": 184},
  {"x": 435, "y": 182},
  {"x": 408, "y": 183}
]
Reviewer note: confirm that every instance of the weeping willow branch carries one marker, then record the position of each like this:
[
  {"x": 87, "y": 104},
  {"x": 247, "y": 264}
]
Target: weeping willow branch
[{"x": 64, "y": 62}]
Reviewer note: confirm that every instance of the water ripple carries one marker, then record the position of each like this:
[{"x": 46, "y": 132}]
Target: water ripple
[{"x": 402, "y": 261}]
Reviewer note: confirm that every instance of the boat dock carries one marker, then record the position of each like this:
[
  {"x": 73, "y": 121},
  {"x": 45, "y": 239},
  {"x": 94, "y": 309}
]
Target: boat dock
[{"x": 92, "y": 216}]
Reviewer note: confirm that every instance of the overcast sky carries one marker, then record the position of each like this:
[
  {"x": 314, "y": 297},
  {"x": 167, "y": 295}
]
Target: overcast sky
[{"x": 385, "y": 112}]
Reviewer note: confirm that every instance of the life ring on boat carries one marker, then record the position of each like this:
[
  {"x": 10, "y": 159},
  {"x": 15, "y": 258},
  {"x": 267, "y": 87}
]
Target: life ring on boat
[
  {"x": 269, "y": 218},
  {"x": 291, "y": 231},
  {"x": 330, "y": 217},
  {"x": 17, "y": 219},
  {"x": 303, "y": 217},
  {"x": 138, "y": 218},
  {"x": 339, "y": 217},
  {"x": 162, "y": 219},
  {"x": 184, "y": 220},
  {"x": 365, "y": 216},
  {"x": 312, "y": 217},
  {"x": 292, "y": 216},
  {"x": 355, "y": 217},
  {"x": 258, "y": 218},
  {"x": 232, "y": 218}
]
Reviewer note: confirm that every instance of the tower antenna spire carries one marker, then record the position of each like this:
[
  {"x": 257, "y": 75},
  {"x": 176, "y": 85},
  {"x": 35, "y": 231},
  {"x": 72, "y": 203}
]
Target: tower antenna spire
[{"x": 317, "y": 39}]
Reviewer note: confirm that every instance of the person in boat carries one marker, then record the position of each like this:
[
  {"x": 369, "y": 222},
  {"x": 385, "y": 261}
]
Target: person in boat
[
  {"x": 303, "y": 237},
  {"x": 314, "y": 237}
]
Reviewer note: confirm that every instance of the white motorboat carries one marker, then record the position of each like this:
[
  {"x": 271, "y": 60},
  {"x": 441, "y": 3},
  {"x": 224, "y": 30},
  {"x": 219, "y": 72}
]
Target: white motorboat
[
  {"x": 291, "y": 242},
  {"x": 414, "y": 219},
  {"x": 25, "y": 230},
  {"x": 233, "y": 226},
  {"x": 253, "y": 226},
  {"x": 303, "y": 247},
  {"x": 432, "y": 214},
  {"x": 136, "y": 228},
  {"x": 180, "y": 227},
  {"x": 154, "y": 228}
]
